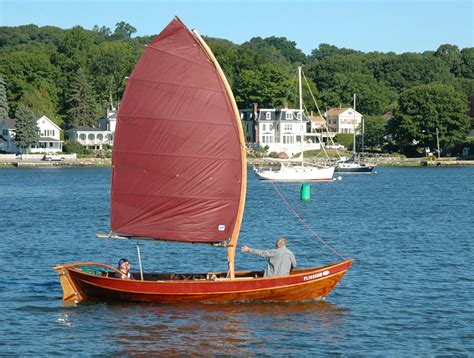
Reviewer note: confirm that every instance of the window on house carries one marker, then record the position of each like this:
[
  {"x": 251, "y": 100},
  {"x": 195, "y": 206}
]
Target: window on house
[
  {"x": 288, "y": 127},
  {"x": 298, "y": 115},
  {"x": 267, "y": 139},
  {"x": 268, "y": 115},
  {"x": 288, "y": 139},
  {"x": 289, "y": 115},
  {"x": 264, "y": 127},
  {"x": 50, "y": 144},
  {"x": 5, "y": 132}
]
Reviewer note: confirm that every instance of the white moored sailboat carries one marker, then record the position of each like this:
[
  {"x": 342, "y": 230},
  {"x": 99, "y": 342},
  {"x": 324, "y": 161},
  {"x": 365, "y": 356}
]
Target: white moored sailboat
[
  {"x": 302, "y": 172},
  {"x": 354, "y": 165}
]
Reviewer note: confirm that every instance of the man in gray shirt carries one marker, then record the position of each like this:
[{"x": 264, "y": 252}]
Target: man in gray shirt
[{"x": 280, "y": 260}]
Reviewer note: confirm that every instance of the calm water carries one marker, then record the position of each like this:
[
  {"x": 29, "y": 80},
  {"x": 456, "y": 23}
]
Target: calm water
[{"x": 410, "y": 291}]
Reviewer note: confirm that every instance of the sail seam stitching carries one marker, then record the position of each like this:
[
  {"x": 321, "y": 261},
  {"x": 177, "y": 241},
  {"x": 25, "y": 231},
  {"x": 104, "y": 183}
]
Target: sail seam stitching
[
  {"x": 176, "y": 196},
  {"x": 175, "y": 155},
  {"x": 181, "y": 57},
  {"x": 177, "y": 84},
  {"x": 181, "y": 120}
]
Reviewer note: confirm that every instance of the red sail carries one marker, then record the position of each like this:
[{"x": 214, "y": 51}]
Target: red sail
[{"x": 177, "y": 162}]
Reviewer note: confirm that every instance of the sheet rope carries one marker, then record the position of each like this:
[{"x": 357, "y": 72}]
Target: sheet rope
[{"x": 304, "y": 224}]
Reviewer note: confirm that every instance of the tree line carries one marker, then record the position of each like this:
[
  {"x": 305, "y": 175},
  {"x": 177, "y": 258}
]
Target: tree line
[{"x": 70, "y": 75}]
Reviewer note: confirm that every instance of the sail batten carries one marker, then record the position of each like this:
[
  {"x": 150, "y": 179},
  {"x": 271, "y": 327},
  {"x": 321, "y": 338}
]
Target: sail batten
[{"x": 177, "y": 158}]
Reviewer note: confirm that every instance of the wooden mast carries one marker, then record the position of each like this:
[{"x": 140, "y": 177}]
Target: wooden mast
[{"x": 243, "y": 185}]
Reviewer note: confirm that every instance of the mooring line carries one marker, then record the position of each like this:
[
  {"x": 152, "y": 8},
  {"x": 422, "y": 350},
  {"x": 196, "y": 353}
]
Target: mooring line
[{"x": 305, "y": 225}]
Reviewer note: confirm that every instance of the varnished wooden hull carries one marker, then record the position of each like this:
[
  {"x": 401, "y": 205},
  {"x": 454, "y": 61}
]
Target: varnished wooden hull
[{"x": 300, "y": 285}]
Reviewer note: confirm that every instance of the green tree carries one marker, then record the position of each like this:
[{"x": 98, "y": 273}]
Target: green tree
[
  {"x": 75, "y": 48},
  {"x": 82, "y": 107},
  {"x": 73, "y": 146},
  {"x": 27, "y": 70},
  {"x": 375, "y": 131},
  {"x": 39, "y": 101},
  {"x": 226, "y": 53},
  {"x": 422, "y": 110},
  {"x": 267, "y": 85},
  {"x": 26, "y": 128},
  {"x": 451, "y": 56},
  {"x": 3, "y": 100},
  {"x": 466, "y": 68},
  {"x": 103, "y": 30},
  {"x": 326, "y": 50},
  {"x": 111, "y": 64},
  {"x": 123, "y": 30}
]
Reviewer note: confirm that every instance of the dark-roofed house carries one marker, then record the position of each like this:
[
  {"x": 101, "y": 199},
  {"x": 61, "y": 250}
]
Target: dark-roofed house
[
  {"x": 7, "y": 136},
  {"x": 282, "y": 130}
]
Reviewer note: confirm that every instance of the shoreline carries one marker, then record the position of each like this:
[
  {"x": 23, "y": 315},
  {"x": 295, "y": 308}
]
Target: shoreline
[
  {"x": 107, "y": 162},
  {"x": 67, "y": 163}
]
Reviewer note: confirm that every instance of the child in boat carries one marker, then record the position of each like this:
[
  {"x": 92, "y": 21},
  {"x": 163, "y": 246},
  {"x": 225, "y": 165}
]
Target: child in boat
[
  {"x": 124, "y": 267},
  {"x": 280, "y": 260}
]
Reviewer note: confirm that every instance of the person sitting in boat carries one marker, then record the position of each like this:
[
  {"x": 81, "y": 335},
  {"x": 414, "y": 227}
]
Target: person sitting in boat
[
  {"x": 124, "y": 268},
  {"x": 280, "y": 260}
]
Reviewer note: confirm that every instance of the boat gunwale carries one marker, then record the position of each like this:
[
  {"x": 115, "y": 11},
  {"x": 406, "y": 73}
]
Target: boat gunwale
[{"x": 294, "y": 275}]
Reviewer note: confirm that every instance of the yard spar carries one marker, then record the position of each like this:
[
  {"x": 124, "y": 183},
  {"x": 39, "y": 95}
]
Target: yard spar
[{"x": 179, "y": 174}]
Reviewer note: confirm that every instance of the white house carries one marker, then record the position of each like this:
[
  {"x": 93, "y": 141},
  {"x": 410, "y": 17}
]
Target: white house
[
  {"x": 343, "y": 120},
  {"x": 96, "y": 138},
  {"x": 109, "y": 121},
  {"x": 91, "y": 138},
  {"x": 282, "y": 130},
  {"x": 49, "y": 137},
  {"x": 7, "y": 136}
]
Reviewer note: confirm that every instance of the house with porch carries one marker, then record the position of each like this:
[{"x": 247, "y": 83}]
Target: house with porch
[
  {"x": 49, "y": 137},
  {"x": 90, "y": 138},
  {"x": 96, "y": 138}
]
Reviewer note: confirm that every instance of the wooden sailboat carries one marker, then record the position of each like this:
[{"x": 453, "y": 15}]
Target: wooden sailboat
[{"x": 179, "y": 174}]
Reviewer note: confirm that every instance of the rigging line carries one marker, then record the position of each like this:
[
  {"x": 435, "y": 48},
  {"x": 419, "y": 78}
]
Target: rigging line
[
  {"x": 306, "y": 225},
  {"x": 319, "y": 112}
]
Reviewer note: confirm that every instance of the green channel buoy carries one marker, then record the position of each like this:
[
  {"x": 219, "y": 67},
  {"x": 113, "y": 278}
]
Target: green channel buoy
[{"x": 305, "y": 192}]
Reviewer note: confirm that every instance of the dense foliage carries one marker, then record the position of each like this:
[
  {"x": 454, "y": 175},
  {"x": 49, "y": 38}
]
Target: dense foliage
[
  {"x": 70, "y": 74},
  {"x": 425, "y": 109}
]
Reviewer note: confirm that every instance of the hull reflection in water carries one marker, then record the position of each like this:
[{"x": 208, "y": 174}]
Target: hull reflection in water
[
  {"x": 82, "y": 281},
  {"x": 219, "y": 329}
]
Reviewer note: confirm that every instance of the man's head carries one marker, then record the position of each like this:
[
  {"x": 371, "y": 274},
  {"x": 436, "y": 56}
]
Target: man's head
[
  {"x": 123, "y": 264},
  {"x": 281, "y": 242}
]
